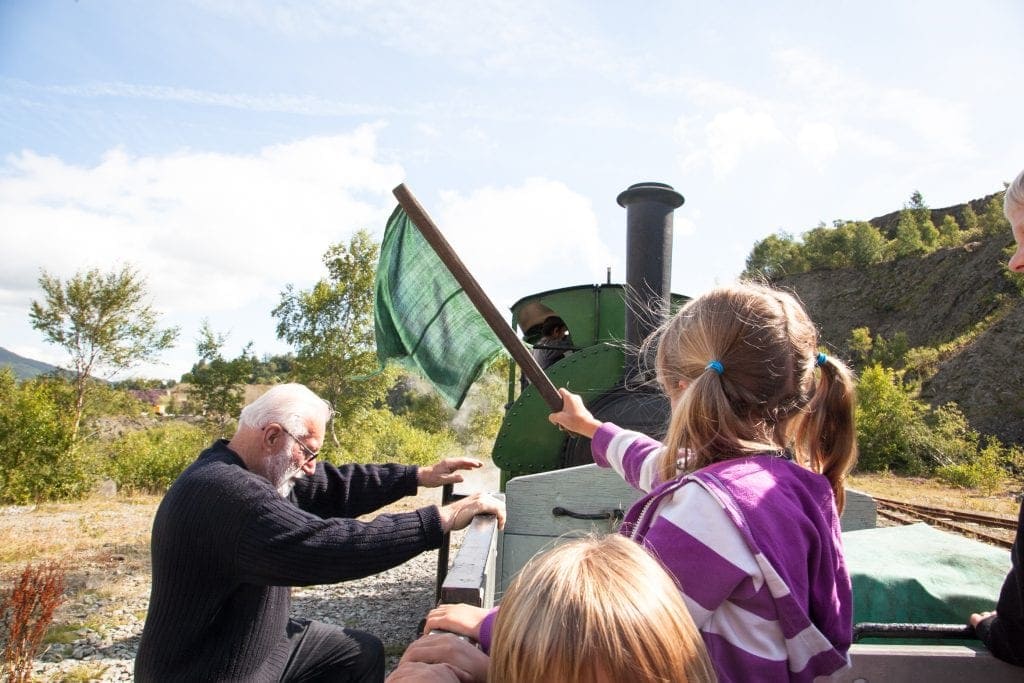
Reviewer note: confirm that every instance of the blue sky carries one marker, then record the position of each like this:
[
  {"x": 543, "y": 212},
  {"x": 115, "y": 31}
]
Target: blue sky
[{"x": 221, "y": 146}]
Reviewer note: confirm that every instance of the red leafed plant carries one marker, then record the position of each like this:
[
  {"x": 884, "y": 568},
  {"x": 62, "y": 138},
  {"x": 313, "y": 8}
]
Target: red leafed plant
[{"x": 26, "y": 610}]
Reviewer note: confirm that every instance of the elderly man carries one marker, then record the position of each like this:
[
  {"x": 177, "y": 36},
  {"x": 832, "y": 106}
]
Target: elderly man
[{"x": 257, "y": 514}]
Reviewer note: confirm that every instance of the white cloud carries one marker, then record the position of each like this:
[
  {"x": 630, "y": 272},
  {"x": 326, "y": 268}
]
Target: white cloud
[
  {"x": 817, "y": 141},
  {"x": 734, "y": 133},
  {"x": 530, "y": 38},
  {"x": 212, "y": 233},
  {"x": 923, "y": 121},
  {"x": 427, "y": 130},
  {"x": 216, "y": 233},
  {"x": 526, "y": 238},
  {"x": 808, "y": 111},
  {"x": 266, "y": 102}
]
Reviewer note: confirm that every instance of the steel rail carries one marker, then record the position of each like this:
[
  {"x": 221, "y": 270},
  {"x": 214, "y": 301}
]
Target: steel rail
[
  {"x": 962, "y": 515},
  {"x": 939, "y": 521}
]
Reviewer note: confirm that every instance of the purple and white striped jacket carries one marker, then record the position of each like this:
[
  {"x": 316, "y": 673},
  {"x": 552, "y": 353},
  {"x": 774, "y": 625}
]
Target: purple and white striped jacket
[{"x": 755, "y": 546}]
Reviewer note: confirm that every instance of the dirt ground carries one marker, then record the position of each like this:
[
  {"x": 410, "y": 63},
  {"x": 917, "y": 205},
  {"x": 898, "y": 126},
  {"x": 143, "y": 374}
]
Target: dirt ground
[{"x": 1005, "y": 501}]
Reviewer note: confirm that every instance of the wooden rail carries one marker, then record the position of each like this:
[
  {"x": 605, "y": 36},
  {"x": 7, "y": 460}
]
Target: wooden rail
[{"x": 472, "y": 575}]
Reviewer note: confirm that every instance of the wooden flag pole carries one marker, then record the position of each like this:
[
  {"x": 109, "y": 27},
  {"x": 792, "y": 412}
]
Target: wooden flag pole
[{"x": 502, "y": 329}]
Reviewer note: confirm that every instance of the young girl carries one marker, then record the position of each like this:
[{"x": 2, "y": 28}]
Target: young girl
[
  {"x": 743, "y": 496},
  {"x": 592, "y": 610}
]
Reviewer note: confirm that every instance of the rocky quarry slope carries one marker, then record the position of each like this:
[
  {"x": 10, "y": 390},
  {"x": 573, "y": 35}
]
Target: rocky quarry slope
[{"x": 933, "y": 300}]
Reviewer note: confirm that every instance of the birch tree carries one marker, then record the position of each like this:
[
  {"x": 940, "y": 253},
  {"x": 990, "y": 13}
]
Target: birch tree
[{"x": 104, "y": 322}]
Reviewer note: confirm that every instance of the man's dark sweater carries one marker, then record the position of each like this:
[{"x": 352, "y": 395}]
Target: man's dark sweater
[
  {"x": 226, "y": 547},
  {"x": 1003, "y": 632}
]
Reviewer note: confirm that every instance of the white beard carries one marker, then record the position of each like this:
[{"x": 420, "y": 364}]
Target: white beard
[
  {"x": 282, "y": 472},
  {"x": 291, "y": 475}
]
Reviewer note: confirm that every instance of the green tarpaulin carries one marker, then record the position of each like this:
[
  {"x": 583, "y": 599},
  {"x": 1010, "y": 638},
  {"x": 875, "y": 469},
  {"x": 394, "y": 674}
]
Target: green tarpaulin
[
  {"x": 920, "y": 575},
  {"x": 422, "y": 317}
]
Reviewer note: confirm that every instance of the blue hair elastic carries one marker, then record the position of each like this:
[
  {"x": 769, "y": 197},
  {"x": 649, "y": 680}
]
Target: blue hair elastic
[
  {"x": 716, "y": 366},
  {"x": 821, "y": 360}
]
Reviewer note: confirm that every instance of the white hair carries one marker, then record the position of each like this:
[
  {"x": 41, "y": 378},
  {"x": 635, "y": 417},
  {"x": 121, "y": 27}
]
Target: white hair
[
  {"x": 1014, "y": 196},
  {"x": 289, "y": 405}
]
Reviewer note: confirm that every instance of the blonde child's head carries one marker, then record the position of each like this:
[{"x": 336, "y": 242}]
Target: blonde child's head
[
  {"x": 596, "y": 610},
  {"x": 742, "y": 369}
]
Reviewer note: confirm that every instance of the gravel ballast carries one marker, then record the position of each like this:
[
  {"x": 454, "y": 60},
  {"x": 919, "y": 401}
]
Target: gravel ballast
[{"x": 390, "y": 605}]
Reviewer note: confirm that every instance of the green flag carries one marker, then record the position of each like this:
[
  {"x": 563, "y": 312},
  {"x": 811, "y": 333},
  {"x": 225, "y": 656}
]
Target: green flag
[{"x": 423, "y": 318}]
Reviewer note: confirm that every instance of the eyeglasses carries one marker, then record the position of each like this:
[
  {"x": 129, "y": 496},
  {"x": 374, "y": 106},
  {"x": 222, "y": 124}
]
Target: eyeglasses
[{"x": 310, "y": 453}]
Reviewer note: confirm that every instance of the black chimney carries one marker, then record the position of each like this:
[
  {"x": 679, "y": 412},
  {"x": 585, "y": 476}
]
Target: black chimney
[{"x": 649, "y": 207}]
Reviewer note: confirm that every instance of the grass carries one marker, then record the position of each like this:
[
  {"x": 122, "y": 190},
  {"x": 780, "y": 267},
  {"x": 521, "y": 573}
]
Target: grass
[
  {"x": 60, "y": 531},
  {"x": 83, "y": 673},
  {"x": 62, "y": 634},
  {"x": 926, "y": 491}
]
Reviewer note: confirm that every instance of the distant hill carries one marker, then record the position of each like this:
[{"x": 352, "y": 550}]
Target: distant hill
[{"x": 24, "y": 368}]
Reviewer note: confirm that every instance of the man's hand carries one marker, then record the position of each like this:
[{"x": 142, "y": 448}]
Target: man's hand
[
  {"x": 458, "y": 657},
  {"x": 446, "y": 471},
  {"x": 457, "y": 618},
  {"x": 459, "y": 514}
]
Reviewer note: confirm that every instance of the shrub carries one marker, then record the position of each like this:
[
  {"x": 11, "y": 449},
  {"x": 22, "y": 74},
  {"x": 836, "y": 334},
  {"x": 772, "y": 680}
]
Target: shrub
[
  {"x": 951, "y": 439},
  {"x": 891, "y": 434},
  {"x": 26, "y": 611},
  {"x": 377, "y": 435},
  {"x": 1012, "y": 460},
  {"x": 983, "y": 473},
  {"x": 150, "y": 460},
  {"x": 36, "y": 460}
]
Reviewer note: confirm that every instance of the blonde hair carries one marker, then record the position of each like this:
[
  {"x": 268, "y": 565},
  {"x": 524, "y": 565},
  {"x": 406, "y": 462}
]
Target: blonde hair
[
  {"x": 1014, "y": 196},
  {"x": 596, "y": 609},
  {"x": 766, "y": 397}
]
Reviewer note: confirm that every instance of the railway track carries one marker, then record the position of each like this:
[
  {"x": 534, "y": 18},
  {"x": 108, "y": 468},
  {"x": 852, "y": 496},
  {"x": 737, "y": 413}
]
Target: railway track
[{"x": 972, "y": 524}]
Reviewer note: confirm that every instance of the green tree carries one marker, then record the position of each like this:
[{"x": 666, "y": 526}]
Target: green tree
[
  {"x": 970, "y": 223},
  {"x": 331, "y": 329},
  {"x": 865, "y": 243},
  {"x": 917, "y": 206},
  {"x": 775, "y": 256},
  {"x": 993, "y": 220},
  {"x": 103, "y": 321},
  {"x": 949, "y": 232},
  {"x": 272, "y": 369},
  {"x": 826, "y": 247},
  {"x": 929, "y": 234},
  {"x": 908, "y": 236},
  {"x": 218, "y": 384}
]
